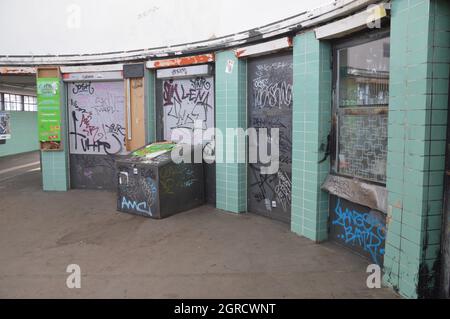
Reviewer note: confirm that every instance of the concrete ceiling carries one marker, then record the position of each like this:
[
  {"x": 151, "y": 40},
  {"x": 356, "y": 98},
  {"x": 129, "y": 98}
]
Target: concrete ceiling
[{"x": 20, "y": 84}]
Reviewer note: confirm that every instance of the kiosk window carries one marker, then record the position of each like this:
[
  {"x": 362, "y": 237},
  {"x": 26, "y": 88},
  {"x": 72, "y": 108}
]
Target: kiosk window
[{"x": 361, "y": 107}]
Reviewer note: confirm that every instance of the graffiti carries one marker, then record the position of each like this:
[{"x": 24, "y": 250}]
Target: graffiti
[
  {"x": 149, "y": 189},
  {"x": 270, "y": 89},
  {"x": 82, "y": 87},
  {"x": 173, "y": 179},
  {"x": 270, "y": 101},
  {"x": 272, "y": 95},
  {"x": 107, "y": 104},
  {"x": 5, "y": 129},
  {"x": 261, "y": 184},
  {"x": 97, "y": 119},
  {"x": 283, "y": 189},
  {"x": 186, "y": 101},
  {"x": 92, "y": 172},
  {"x": 140, "y": 207},
  {"x": 361, "y": 229},
  {"x": 266, "y": 187},
  {"x": 263, "y": 122},
  {"x": 141, "y": 186}
]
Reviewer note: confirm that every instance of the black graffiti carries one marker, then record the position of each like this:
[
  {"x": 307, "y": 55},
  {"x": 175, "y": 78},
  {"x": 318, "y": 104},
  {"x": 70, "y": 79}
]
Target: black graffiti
[
  {"x": 91, "y": 141},
  {"x": 261, "y": 184},
  {"x": 75, "y": 105},
  {"x": 115, "y": 129},
  {"x": 263, "y": 122},
  {"x": 177, "y": 95},
  {"x": 83, "y": 87}
]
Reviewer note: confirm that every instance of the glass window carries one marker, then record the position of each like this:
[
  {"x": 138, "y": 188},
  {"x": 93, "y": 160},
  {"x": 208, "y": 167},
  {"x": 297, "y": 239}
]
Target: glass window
[
  {"x": 362, "y": 103},
  {"x": 13, "y": 102},
  {"x": 363, "y": 77},
  {"x": 29, "y": 103}
]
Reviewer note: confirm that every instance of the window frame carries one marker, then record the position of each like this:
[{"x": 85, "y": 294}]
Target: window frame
[
  {"x": 19, "y": 105},
  {"x": 337, "y": 111},
  {"x": 34, "y": 104}
]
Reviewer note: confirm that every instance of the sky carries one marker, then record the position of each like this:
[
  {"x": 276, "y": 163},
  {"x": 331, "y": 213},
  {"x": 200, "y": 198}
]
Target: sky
[{"x": 29, "y": 27}]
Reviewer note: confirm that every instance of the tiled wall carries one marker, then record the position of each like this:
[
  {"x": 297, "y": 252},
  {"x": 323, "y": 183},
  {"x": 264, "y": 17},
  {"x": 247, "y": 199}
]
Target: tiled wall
[
  {"x": 55, "y": 170},
  {"x": 231, "y": 112},
  {"x": 311, "y": 125},
  {"x": 419, "y": 73},
  {"x": 150, "y": 101}
]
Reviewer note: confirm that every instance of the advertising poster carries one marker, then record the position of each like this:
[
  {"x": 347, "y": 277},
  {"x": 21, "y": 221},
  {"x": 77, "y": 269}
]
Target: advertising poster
[
  {"x": 5, "y": 128},
  {"x": 49, "y": 112}
]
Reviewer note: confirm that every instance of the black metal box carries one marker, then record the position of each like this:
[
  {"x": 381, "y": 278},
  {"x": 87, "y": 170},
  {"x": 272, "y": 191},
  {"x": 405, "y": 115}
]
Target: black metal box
[{"x": 157, "y": 187}]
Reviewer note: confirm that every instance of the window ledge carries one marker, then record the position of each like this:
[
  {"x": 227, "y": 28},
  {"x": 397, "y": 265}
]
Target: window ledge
[{"x": 357, "y": 191}]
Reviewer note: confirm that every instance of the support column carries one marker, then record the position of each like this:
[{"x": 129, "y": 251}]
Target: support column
[
  {"x": 231, "y": 113},
  {"x": 311, "y": 126},
  {"x": 418, "y": 102},
  {"x": 55, "y": 164},
  {"x": 150, "y": 104}
]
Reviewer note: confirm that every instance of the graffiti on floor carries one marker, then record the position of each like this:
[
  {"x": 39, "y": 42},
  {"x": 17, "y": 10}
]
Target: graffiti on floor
[{"x": 363, "y": 229}]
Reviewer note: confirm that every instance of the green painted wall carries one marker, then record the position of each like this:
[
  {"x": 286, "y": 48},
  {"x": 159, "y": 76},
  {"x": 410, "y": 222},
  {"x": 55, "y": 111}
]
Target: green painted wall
[
  {"x": 418, "y": 104},
  {"x": 23, "y": 134}
]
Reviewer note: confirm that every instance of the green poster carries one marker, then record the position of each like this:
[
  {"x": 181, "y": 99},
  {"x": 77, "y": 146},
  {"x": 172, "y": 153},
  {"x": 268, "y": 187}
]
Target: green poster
[{"x": 49, "y": 111}]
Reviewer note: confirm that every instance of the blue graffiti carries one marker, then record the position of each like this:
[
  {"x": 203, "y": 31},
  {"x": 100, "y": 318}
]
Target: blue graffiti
[
  {"x": 362, "y": 229},
  {"x": 151, "y": 184},
  {"x": 141, "y": 207}
]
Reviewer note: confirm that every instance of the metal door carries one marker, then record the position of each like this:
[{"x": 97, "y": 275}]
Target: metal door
[
  {"x": 270, "y": 106},
  {"x": 181, "y": 102},
  {"x": 96, "y": 115}
]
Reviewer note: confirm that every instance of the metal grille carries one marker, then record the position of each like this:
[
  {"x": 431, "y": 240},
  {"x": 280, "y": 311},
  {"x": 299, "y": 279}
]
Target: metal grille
[{"x": 363, "y": 146}]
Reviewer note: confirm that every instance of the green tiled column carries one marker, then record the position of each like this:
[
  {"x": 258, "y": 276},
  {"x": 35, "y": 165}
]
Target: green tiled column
[
  {"x": 231, "y": 112},
  {"x": 311, "y": 125},
  {"x": 150, "y": 104},
  {"x": 55, "y": 164},
  {"x": 419, "y": 79}
]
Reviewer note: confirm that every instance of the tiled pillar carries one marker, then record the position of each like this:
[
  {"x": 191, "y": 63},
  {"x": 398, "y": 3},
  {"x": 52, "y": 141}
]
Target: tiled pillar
[
  {"x": 419, "y": 80},
  {"x": 150, "y": 104},
  {"x": 231, "y": 113},
  {"x": 55, "y": 164},
  {"x": 311, "y": 126}
]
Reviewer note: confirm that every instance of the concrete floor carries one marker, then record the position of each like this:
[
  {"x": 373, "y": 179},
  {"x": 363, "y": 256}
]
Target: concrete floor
[
  {"x": 15, "y": 165},
  {"x": 203, "y": 253}
]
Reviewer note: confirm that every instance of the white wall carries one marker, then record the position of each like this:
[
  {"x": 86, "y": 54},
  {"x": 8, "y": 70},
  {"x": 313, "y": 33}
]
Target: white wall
[{"x": 30, "y": 27}]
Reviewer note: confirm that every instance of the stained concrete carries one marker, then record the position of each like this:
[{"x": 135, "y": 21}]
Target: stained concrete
[
  {"x": 15, "y": 165},
  {"x": 203, "y": 253}
]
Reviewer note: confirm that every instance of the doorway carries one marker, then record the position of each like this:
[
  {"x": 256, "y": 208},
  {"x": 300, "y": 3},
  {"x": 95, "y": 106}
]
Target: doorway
[{"x": 269, "y": 99}]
